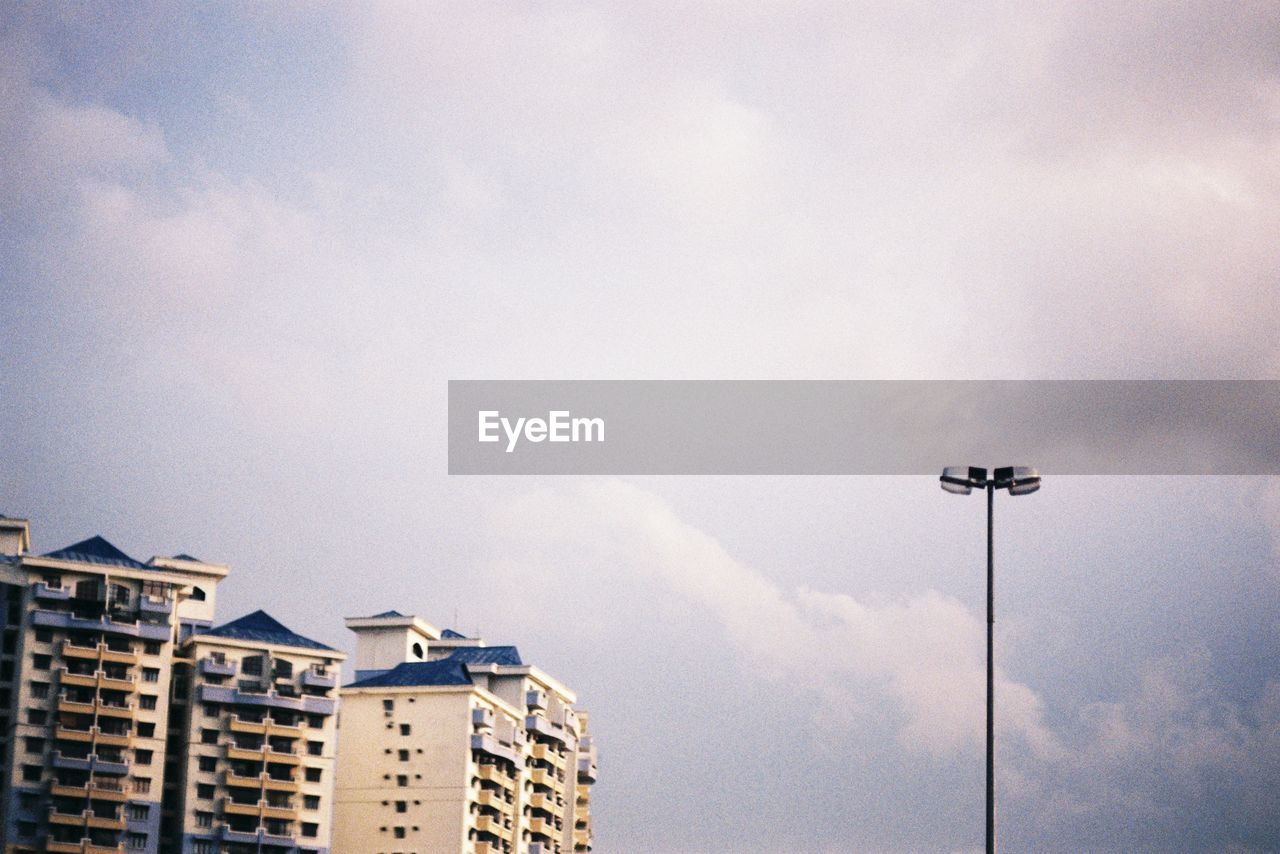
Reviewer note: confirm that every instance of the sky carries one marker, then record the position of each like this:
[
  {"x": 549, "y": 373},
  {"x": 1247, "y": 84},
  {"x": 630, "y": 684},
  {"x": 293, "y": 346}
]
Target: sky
[{"x": 243, "y": 248}]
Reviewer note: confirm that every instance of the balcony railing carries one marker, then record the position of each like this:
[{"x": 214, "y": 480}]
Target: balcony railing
[{"x": 214, "y": 667}]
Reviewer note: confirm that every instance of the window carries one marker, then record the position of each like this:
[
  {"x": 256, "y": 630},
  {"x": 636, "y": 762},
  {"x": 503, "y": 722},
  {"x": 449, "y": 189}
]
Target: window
[
  {"x": 402, "y": 780},
  {"x": 37, "y": 717},
  {"x": 44, "y": 635},
  {"x": 146, "y": 729},
  {"x": 208, "y": 763},
  {"x": 398, "y": 832},
  {"x": 311, "y": 802},
  {"x": 26, "y": 828},
  {"x": 402, "y": 806},
  {"x": 208, "y": 736},
  {"x": 137, "y": 841},
  {"x": 205, "y": 791},
  {"x": 40, "y": 690},
  {"x": 388, "y": 706},
  {"x": 251, "y": 665},
  {"x": 202, "y": 846},
  {"x": 284, "y": 669},
  {"x": 150, "y": 674},
  {"x": 404, "y": 729},
  {"x": 142, "y": 757},
  {"x": 310, "y": 828},
  {"x": 417, "y": 650},
  {"x": 34, "y": 745},
  {"x": 313, "y": 775},
  {"x": 151, "y": 647},
  {"x": 142, "y": 784},
  {"x": 315, "y": 721},
  {"x": 139, "y": 812},
  {"x": 198, "y": 594},
  {"x": 404, "y": 755},
  {"x": 210, "y": 710},
  {"x": 315, "y": 748},
  {"x": 146, "y": 701},
  {"x": 31, "y": 773},
  {"x": 204, "y": 819},
  {"x": 40, "y": 662}
]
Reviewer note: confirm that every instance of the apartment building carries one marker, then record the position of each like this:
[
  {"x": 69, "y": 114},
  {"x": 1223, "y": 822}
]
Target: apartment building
[
  {"x": 89, "y": 640},
  {"x": 129, "y": 723},
  {"x": 254, "y": 715},
  {"x": 452, "y": 745}
]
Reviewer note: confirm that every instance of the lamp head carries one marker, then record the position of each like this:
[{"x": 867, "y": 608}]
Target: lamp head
[{"x": 961, "y": 480}]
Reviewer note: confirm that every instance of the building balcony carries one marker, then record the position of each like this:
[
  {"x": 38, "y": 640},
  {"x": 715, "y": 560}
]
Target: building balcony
[
  {"x": 582, "y": 840},
  {"x": 85, "y": 819},
  {"x": 70, "y": 650},
  {"x": 155, "y": 607},
  {"x": 536, "y": 699},
  {"x": 543, "y": 777},
  {"x": 490, "y": 745},
  {"x": 230, "y": 807},
  {"x": 587, "y": 769},
  {"x": 494, "y": 774},
  {"x": 495, "y": 800},
  {"x": 262, "y": 754},
  {"x": 115, "y": 710},
  {"x": 214, "y": 667},
  {"x": 90, "y": 763},
  {"x": 70, "y": 622},
  {"x": 269, "y": 699},
  {"x": 545, "y": 803},
  {"x": 82, "y": 847},
  {"x": 97, "y": 679},
  {"x": 66, "y": 733},
  {"x": 490, "y": 824},
  {"x": 542, "y": 827},
  {"x": 547, "y": 753},
  {"x": 311, "y": 678},
  {"x": 487, "y": 848},
  {"x": 103, "y": 790},
  {"x": 538, "y": 725},
  {"x": 40, "y": 590},
  {"x": 482, "y": 718}
]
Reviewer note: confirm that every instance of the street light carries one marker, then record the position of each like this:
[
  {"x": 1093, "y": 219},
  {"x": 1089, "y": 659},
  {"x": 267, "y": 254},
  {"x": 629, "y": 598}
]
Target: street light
[{"x": 1019, "y": 480}]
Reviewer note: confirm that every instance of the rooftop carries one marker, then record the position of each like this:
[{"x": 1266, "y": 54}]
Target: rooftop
[
  {"x": 486, "y": 655},
  {"x": 446, "y": 671},
  {"x": 96, "y": 550},
  {"x": 263, "y": 628}
]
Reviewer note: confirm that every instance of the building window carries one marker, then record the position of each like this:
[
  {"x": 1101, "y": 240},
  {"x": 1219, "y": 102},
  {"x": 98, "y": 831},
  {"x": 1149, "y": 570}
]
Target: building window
[
  {"x": 142, "y": 757},
  {"x": 315, "y": 748},
  {"x": 31, "y": 773},
  {"x": 310, "y": 828},
  {"x": 311, "y": 802},
  {"x": 26, "y": 828},
  {"x": 251, "y": 665},
  {"x": 205, "y": 791},
  {"x": 208, "y": 763},
  {"x": 40, "y": 662},
  {"x": 44, "y": 635},
  {"x": 202, "y": 846},
  {"x": 398, "y": 832},
  {"x": 151, "y": 647},
  {"x": 150, "y": 674},
  {"x": 315, "y": 721},
  {"x": 204, "y": 819},
  {"x": 34, "y": 745},
  {"x": 402, "y": 780},
  {"x": 146, "y": 701},
  {"x": 284, "y": 669},
  {"x": 146, "y": 729},
  {"x": 139, "y": 812},
  {"x": 404, "y": 755},
  {"x": 40, "y": 690},
  {"x": 402, "y": 806},
  {"x": 137, "y": 841},
  {"x": 142, "y": 785},
  {"x": 208, "y": 736},
  {"x": 404, "y": 729},
  {"x": 388, "y": 705},
  {"x": 37, "y": 717},
  {"x": 313, "y": 775}
]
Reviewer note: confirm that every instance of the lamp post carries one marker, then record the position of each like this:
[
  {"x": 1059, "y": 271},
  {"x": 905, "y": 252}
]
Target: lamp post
[{"x": 1019, "y": 480}]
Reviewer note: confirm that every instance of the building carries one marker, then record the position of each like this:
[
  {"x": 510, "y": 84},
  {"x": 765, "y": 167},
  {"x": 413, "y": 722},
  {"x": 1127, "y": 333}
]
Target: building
[
  {"x": 254, "y": 716},
  {"x": 89, "y": 640},
  {"x": 452, "y": 745},
  {"x": 127, "y": 722}
]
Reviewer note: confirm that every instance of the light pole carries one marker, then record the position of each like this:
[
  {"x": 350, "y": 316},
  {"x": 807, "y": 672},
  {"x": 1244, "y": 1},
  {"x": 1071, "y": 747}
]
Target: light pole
[{"x": 1019, "y": 480}]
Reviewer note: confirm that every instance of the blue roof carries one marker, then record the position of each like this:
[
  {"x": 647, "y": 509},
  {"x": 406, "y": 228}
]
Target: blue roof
[
  {"x": 450, "y": 634},
  {"x": 263, "y": 628},
  {"x": 486, "y": 655},
  {"x": 446, "y": 671},
  {"x": 386, "y": 614},
  {"x": 185, "y": 556},
  {"x": 96, "y": 550}
]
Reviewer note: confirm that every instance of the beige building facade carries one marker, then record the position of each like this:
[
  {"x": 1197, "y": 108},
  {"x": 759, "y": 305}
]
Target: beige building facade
[{"x": 452, "y": 745}]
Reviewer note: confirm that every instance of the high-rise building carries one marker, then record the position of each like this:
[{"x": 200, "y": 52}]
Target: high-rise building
[
  {"x": 129, "y": 723},
  {"x": 254, "y": 716},
  {"x": 89, "y": 639},
  {"x": 452, "y": 745}
]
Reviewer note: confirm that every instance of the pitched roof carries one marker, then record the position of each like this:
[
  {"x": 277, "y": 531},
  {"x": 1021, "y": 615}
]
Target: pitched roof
[
  {"x": 185, "y": 556},
  {"x": 446, "y": 671},
  {"x": 262, "y": 627},
  {"x": 386, "y": 614},
  {"x": 450, "y": 634},
  {"x": 486, "y": 655},
  {"x": 96, "y": 550}
]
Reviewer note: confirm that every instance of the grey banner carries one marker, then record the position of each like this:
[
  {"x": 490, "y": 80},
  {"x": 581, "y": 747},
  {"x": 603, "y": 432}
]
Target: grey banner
[{"x": 1107, "y": 427}]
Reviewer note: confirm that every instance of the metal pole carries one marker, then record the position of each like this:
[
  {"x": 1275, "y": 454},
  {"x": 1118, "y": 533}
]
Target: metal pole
[{"x": 991, "y": 622}]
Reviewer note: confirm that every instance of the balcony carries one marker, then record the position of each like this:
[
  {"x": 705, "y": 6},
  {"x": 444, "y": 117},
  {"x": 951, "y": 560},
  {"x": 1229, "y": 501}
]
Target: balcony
[
  {"x": 266, "y": 727},
  {"x": 547, "y": 753},
  {"x": 542, "y": 827},
  {"x": 482, "y": 718},
  {"x": 539, "y": 801},
  {"x": 70, "y": 622},
  {"x": 85, "y": 819},
  {"x": 82, "y": 847},
  {"x": 155, "y": 607},
  {"x": 490, "y": 745},
  {"x": 537, "y": 725},
  {"x": 97, "y": 679},
  {"x": 312, "y": 678},
  {"x": 582, "y": 840},
  {"x": 40, "y": 590},
  {"x": 103, "y": 790},
  {"x": 536, "y": 699},
  {"x": 269, "y": 699},
  {"x": 587, "y": 769},
  {"x": 494, "y": 800},
  {"x": 543, "y": 777},
  {"x": 214, "y": 667},
  {"x": 489, "y": 824},
  {"x": 261, "y": 754},
  {"x": 494, "y": 774}
]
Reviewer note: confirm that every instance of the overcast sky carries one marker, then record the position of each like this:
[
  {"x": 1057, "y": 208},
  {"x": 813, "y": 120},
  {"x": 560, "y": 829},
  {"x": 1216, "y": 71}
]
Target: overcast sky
[{"x": 243, "y": 248}]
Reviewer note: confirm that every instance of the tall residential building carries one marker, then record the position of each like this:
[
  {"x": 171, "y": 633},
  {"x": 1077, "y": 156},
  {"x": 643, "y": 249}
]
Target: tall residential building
[
  {"x": 254, "y": 716},
  {"x": 128, "y": 723},
  {"x": 452, "y": 745},
  {"x": 89, "y": 641}
]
